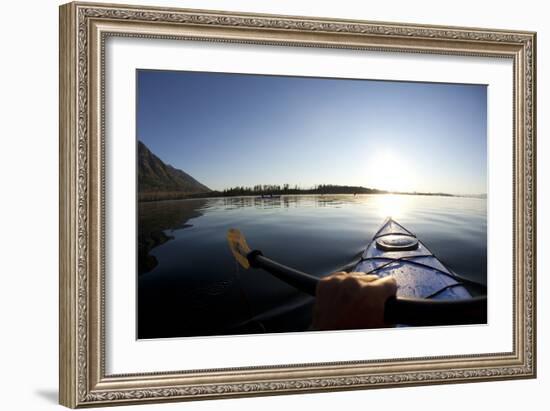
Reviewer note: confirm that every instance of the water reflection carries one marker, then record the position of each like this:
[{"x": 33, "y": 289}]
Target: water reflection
[
  {"x": 231, "y": 203},
  {"x": 156, "y": 219},
  {"x": 386, "y": 204}
]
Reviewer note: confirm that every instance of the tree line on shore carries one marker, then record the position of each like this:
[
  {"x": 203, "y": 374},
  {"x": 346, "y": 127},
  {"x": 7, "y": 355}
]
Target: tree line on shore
[{"x": 285, "y": 189}]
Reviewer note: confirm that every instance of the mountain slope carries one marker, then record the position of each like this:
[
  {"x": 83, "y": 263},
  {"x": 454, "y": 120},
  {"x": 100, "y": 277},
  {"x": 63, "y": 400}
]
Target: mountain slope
[{"x": 163, "y": 180}]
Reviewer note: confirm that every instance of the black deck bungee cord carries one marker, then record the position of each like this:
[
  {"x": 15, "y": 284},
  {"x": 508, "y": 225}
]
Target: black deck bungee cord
[{"x": 407, "y": 259}]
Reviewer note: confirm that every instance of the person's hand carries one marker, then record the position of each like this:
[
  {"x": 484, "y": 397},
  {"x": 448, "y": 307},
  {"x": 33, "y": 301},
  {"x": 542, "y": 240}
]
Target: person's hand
[{"x": 352, "y": 300}]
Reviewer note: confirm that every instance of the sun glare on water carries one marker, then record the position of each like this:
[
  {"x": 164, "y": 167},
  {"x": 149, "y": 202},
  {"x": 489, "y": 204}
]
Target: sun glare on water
[{"x": 391, "y": 205}]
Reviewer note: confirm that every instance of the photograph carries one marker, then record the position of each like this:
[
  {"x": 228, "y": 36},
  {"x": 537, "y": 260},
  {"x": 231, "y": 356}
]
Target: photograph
[{"x": 283, "y": 204}]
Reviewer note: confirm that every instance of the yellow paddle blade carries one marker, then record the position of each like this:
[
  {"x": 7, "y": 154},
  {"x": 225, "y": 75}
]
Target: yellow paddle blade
[{"x": 238, "y": 246}]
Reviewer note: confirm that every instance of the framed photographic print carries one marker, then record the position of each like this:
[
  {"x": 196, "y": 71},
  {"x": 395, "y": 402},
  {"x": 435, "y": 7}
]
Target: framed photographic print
[{"x": 260, "y": 204}]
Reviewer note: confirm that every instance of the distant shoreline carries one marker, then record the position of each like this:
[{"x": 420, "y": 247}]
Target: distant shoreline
[{"x": 166, "y": 196}]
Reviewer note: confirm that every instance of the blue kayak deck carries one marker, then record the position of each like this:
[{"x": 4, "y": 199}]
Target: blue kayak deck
[{"x": 418, "y": 272}]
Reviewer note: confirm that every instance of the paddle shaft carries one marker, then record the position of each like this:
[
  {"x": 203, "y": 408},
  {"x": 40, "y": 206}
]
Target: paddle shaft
[
  {"x": 410, "y": 311},
  {"x": 304, "y": 282}
]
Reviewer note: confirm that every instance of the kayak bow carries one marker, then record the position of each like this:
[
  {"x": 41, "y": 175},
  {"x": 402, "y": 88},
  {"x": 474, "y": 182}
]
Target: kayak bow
[
  {"x": 428, "y": 292},
  {"x": 396, "y": 251}
]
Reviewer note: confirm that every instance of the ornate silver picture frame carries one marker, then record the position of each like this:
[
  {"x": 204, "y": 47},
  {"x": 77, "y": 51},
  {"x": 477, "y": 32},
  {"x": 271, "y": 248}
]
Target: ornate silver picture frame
[{"x": 84, "y": 30}]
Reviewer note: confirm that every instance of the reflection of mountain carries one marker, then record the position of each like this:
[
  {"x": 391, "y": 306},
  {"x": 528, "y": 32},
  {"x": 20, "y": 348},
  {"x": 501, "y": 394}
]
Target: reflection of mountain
[
  {"x": 155, "y": 221},
  {"x": 157, "y": 180}
]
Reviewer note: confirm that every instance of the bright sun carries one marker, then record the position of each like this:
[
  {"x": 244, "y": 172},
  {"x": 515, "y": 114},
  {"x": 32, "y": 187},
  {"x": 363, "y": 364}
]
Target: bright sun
[{"x": 388, "y": 171}]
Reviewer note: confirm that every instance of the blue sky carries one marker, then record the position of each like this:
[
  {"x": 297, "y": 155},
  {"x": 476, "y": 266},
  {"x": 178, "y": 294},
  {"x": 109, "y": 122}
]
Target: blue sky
[{"x": 240, "y": 130}]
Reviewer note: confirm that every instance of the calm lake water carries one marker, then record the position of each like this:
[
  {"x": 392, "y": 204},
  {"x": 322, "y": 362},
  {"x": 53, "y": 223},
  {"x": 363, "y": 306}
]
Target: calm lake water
[{"x": 195, "y": 288}]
